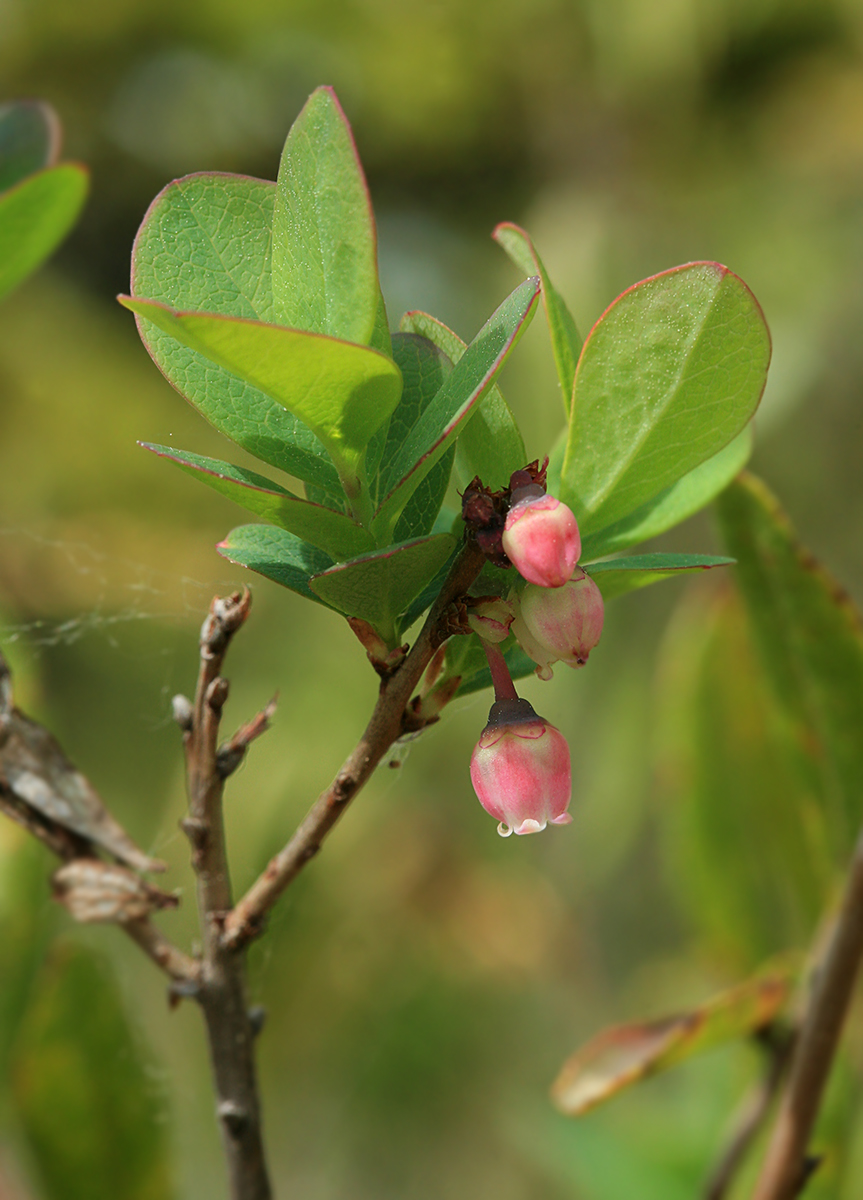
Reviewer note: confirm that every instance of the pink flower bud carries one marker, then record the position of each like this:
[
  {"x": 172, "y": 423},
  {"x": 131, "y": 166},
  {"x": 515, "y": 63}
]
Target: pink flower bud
[
  {"x": 542, "y": 541},
  {"x": 490, "y": 617},
  {"x": 560, "y": 623},
  {"x": 520, "y": 769}
]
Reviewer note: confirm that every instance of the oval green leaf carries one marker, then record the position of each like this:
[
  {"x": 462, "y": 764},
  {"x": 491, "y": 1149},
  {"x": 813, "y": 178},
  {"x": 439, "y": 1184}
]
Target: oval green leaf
[
  {"x": 35, "y": 216},
  {"x": 379, "y": 587},
  {"x": 325, "y": 275},
  {"x": 671, "y": 372},
  {"x": 338, "y": 535},
  {"x": 276, "y": 554},
  {"x": 343, "y": 392},
  {"x": 29, "y": 140},
  {"x": 204, "y": 246},
  {"x": 673, "y": 505}
]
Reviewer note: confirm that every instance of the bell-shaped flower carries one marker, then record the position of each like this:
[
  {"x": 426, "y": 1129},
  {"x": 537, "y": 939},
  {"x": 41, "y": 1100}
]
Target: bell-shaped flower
[
  {"x": 560, "y": 624},
  {"x": 541, "y": 540},
  {"x": 520, "y": 769}
]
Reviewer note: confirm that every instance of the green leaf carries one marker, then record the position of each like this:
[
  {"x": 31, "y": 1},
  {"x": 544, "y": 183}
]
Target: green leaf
[
  {"x": 424, "y": 369},
  {"x": 441, "y": 421},
  {"x": 627, "y": 1054},
  {"x": 35, "y": 216},
  {"x": 341, "y": 391},
  {"x": 379, "y": 587},
  {"x": 673, "y": 505},
  {"x": 333, "y": 532},
  {"x": 489, "y": 443},
  {"x": 204, "y": 246},
  {"x": 740, "y": 786},
  {"x": 671, "y": 372},
  {"x": 616, "y": 576},
  {"x": 28, "y": 922},
  {"x": 809, "y": 636},
  {"x": 83, "y": 1091},
  {"x": 380, "y": 339},
  {"x": 29, "y": 140},
  {"x": 565, "y": 341},
  {"x": 277, "y": 554},
  {"x": 325, "y": 275}
]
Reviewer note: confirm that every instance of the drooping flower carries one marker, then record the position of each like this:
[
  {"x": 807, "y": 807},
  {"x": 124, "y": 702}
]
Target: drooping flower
[
  {"x": 560, "y": 624},
  {"x": 520, "y": 769},
  {"x": 541, "y": 538}
]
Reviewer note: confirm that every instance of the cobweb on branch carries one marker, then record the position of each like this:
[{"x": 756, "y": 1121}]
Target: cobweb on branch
[{"x": 120, "y": 591}]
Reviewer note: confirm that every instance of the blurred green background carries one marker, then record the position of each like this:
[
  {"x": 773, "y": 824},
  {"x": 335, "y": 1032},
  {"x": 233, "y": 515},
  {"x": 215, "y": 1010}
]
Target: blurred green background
[{"x": 424, "y": 979}]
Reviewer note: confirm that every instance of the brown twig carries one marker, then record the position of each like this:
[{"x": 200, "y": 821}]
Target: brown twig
[
  {"x": 179, "y": 966},
  {"x": 386, "y": 725},
  {"x": 787, "y": 1165},
  {"x": 749, "y": 1120},
  {"x": 222, "y": 990}
]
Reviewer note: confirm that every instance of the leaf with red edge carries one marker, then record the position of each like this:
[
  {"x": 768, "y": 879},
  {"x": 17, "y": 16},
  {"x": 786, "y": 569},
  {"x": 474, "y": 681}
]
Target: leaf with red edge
[
  {"x": 324, "y": 266},
  {"x": 379, "y": 586},
  {"x": 671, "y": 372},
  {"x": 565, "y": 341},
  {"x": 626, "y": 1054},
  {"x": 332, "y": 531},
  {"x": 343, "y": 392}
]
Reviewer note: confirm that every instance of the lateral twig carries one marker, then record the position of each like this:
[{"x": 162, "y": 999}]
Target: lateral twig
[
  {"x": 245, "y": 921},
  {"x": 787, "y": 1165}
]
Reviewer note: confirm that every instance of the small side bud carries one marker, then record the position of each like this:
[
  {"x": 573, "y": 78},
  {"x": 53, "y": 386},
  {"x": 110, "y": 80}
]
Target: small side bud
[
  {"x": 541, "y": 539},
  {"x": 560, "y": 624},
  {"x": 490, "y": 617}
]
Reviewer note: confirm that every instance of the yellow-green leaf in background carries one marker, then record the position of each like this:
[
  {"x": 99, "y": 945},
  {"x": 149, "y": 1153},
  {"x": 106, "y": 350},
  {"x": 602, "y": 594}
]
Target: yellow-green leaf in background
[{"x": 83, "y": 1091}]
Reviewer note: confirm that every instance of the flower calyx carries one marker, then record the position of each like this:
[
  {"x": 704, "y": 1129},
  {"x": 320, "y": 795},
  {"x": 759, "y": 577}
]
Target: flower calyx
[{"x": 485, "y": 511}]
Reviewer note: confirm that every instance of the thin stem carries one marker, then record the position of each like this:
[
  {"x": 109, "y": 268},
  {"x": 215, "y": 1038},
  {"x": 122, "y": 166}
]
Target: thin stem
[
  {"x": 786, "y": 1166},
  {"x": 504, "y": 688},
  {"x": 179, "y": 966},
  {"x": 222, "y": 992},
  {"x": 386, "y": 725},
  {"x": 753, "y": 1112}
]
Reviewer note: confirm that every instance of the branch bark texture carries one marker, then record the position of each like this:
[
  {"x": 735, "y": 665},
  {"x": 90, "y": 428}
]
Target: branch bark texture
[
  {"x": 787, "y": 1166},
  {"x": 222, "y": 986}
]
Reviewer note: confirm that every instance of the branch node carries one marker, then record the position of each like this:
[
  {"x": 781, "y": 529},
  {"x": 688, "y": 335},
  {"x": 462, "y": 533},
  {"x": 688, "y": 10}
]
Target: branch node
[
  {"x": 217, "y": 693},
  {"x": 230, "y": 754},
  {"x": 197, "y": 831},
  {"x": 183, "y": 989},
  {"x": 233, "y": 1116}
]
